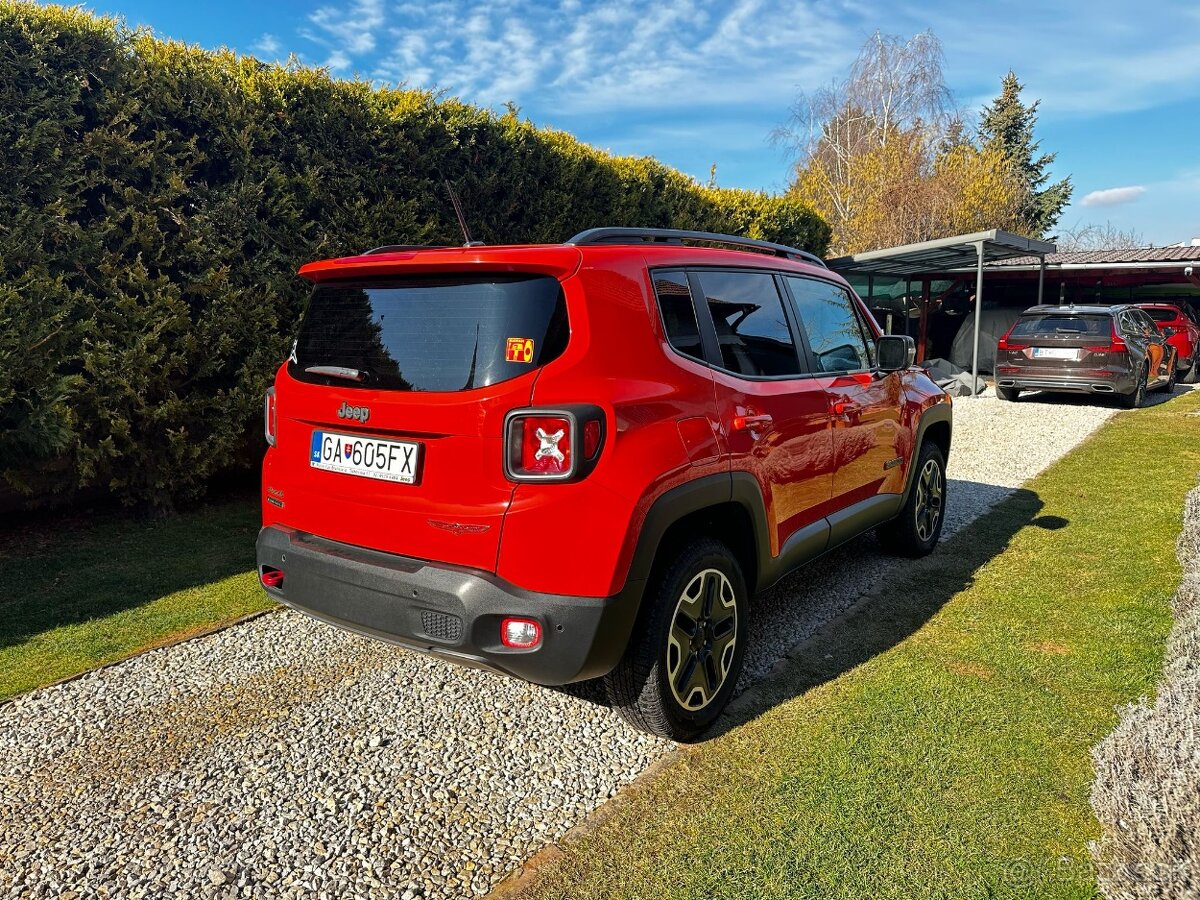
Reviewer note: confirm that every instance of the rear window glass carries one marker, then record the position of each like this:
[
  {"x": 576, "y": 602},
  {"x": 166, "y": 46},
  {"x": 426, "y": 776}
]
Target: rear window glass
[
  {"x": 429, "y": 334},
  {"x": 1062, "y": 324},
  {"x": 1162, "y": 315}
]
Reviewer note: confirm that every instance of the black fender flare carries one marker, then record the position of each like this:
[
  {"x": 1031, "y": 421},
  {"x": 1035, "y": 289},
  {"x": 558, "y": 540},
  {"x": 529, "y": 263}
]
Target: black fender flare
[{"x": 939, "y": 412}]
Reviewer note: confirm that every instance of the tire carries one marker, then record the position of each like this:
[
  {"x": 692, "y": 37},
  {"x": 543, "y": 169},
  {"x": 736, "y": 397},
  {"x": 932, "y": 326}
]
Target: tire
[
  {"x": 1008, "y": 393},
  {"x": 1137, "y": 399},
  {"x": 701, "y": 584},
  {"x": 917, "y": 528},
  {"x": 1173, "y": 379}
]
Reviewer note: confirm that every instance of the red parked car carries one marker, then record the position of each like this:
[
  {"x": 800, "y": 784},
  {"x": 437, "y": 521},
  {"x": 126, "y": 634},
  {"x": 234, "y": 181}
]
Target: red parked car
[
  {"x": 1181, "y": 332},
  {"x": 582, "y": 460}
]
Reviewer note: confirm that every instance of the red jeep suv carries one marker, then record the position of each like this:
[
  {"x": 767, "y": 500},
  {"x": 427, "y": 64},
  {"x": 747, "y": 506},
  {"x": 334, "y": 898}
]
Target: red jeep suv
[{"x": 582, "y": 460}]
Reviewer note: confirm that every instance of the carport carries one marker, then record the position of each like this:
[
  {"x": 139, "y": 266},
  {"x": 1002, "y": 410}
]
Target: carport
[{"x": 943, "y": 255}]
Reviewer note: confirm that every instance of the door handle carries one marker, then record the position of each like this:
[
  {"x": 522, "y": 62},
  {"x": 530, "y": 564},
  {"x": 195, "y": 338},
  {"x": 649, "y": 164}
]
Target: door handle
[{"x": 743, "y": 423}]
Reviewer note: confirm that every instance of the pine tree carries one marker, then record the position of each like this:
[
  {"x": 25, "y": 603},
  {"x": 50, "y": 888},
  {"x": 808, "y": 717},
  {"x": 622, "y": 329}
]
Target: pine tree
[{"x": 1008, "y": 124}]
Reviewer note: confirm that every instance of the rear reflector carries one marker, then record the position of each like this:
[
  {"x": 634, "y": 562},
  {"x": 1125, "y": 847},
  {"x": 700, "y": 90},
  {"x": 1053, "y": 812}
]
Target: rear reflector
[
  {"x": 520, "y": 634},
  {"x": 272, "y": 578},
  {"x": 270, "y": 416},
  {"x": 591, "y": 438}
]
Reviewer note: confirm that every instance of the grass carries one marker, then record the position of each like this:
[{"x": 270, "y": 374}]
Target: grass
[
  {"x": 936, "y": 742},
  {"x": 76, "y": 596}
]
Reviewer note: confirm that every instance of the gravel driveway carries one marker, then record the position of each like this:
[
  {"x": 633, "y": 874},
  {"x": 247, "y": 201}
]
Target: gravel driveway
[{"x": 284, "y": 758}]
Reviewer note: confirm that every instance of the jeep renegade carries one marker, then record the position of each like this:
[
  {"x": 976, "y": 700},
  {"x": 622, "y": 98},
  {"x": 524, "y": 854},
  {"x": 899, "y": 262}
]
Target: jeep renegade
[{"x": 582, "y": 460}]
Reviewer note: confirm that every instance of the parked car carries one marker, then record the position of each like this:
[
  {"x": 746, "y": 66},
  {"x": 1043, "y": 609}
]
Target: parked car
[
  {"x": 1181, "y": 332},
  {"x": 578, "y": 461},
  {"x": 1089, "y": 349}
]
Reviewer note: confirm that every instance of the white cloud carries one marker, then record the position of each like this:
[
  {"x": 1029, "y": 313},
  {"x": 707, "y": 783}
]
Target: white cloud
[
  {"x": 349, "y": 31},
  {"x": 1113, "y": 196},
  {"x": 267, "y": 45},
  {"x": 598, "y": 57}
]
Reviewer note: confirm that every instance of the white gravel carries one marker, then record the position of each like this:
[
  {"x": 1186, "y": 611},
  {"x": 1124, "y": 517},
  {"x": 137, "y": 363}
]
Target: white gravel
[{"x": 283, "y": 758}]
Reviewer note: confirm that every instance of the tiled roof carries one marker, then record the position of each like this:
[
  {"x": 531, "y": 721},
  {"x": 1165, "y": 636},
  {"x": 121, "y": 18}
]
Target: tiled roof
[{"x": 1108, "y": 257}]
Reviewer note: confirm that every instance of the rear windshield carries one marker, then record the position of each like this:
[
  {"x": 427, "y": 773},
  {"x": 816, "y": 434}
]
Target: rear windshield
[
  {"x": 429, "y": 334},
  {"x": 1161, "y": 315},
  {"x": 1062, "y": 324}
]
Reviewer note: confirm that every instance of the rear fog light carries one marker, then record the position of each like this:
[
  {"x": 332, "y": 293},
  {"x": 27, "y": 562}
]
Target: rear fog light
[{"x": 520, "y": 634}]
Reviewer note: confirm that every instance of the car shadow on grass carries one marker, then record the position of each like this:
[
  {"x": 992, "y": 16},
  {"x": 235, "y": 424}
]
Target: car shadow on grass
[
  {"x": 896, "y": 603},
  {"x": 896, "y": 607}
]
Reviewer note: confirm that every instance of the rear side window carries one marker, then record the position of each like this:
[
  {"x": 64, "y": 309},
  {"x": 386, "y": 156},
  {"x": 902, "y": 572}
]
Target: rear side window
[
  {"x": 429, "y": 334},
  {"x": 751, "y": 326},
  {"x": 678, "y": 313},
  {"x": 1062, "y": 325},
  {"x": 833, "y": 325}
]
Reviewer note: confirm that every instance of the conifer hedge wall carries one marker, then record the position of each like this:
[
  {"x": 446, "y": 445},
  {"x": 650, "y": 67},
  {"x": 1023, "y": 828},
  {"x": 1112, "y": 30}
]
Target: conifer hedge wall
[{"x": 157, "y": 199}]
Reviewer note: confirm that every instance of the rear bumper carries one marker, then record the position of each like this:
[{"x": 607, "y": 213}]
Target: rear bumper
[
  {"x": 1119, "y": 383},
  {"x": 448, "y": 612}
]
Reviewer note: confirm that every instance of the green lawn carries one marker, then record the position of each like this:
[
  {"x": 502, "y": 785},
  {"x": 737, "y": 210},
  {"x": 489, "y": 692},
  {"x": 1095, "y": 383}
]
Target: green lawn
[
  {"x": 76, "y": 596},
  {"x": 936, "y": 743}
]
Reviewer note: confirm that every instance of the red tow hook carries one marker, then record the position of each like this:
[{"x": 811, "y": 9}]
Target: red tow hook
[{"x": 272, "y": 578}]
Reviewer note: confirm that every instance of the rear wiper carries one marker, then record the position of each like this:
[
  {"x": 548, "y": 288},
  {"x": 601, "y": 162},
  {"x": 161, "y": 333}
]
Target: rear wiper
[{"x": 338, "y": 372}]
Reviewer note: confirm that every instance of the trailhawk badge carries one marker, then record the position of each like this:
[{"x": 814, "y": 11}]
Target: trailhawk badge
[{"x": 358, "y": 413}]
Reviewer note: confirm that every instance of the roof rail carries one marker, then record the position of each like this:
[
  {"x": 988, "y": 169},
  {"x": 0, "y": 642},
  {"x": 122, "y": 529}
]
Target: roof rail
[
  {"x": 676, "y": 236},
  {"x": 400, "y": 248}
]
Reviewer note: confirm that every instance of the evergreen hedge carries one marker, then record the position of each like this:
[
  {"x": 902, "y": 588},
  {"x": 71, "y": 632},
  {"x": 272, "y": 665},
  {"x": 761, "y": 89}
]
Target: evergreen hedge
[{"x": 159, "y": 198}]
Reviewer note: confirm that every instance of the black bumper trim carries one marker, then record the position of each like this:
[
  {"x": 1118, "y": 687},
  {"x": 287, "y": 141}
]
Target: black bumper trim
[{"x": 384, "y": 596}]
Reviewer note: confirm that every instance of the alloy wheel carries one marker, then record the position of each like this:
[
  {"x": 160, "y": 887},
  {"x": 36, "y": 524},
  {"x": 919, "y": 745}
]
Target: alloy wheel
[
  {"x": 930, "y": 495},
  {"x": 701, "y": 642}
]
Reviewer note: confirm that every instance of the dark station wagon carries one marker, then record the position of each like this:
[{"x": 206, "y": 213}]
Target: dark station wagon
[{"x": 1085, "y": 349}]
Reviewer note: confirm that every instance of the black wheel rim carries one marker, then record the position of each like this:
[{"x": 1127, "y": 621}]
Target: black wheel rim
[
  {"x": 931, "y": 493},
  {"x": 702, "y": 639}
]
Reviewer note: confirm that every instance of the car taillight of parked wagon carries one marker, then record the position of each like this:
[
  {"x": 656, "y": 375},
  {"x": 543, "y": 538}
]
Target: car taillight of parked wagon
[{"x": 1116, "y": 344}]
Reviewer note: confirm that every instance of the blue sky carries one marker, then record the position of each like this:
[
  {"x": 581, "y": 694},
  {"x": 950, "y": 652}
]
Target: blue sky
[{"x": 693, "y": 82}]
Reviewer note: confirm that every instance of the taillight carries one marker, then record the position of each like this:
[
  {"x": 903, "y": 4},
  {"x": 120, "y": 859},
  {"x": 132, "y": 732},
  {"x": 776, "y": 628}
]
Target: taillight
[
  {"x": 270, "y": 416},
  {"x": 520, "y": 634},
  {"x": 552, "y": 444},
  {"x": 1005, "y": 344},
  {"x": 1116, "y": 344}
]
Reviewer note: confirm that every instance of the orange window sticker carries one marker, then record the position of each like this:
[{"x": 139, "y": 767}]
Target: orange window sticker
[{"x": 519, "y": 350}]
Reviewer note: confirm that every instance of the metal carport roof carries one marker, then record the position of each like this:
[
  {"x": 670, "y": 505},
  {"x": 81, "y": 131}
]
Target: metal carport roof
[
  {"x": 941, "y": 255},
  {"x": 945, "y": 254}
]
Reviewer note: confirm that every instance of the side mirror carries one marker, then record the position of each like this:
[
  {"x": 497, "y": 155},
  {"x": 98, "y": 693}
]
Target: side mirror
[{"x": 895, "y": 352}]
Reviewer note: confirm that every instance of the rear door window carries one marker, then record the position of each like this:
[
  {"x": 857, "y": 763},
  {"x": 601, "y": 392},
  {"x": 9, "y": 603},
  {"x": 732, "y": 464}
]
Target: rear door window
[
  {"x": 752, "y": 330},
  {"x": 832, "y": 324},
  {"x": 445, "y": 333}
]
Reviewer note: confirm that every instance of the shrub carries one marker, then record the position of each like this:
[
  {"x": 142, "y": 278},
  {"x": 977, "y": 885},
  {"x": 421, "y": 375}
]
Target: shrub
[
  {"x": 1147, "y": 788},
  {"x": 161, "y": 198}
]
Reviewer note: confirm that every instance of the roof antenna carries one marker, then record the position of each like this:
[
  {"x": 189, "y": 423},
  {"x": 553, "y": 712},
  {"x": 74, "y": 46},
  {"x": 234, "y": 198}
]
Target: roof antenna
[{"x": 458, "y": 211}]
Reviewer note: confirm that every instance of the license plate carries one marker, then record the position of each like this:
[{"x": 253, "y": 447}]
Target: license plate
[
  {"x": 1054, "y": 353},
  {"x": 368, "y": 457}
]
